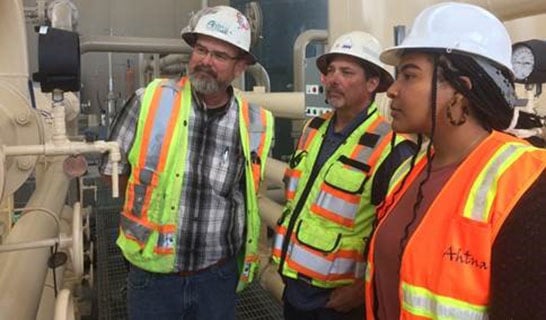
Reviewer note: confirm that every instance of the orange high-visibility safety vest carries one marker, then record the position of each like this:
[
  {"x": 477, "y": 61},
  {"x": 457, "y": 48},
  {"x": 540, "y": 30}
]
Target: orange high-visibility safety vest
[
  {"x": 325, "y": 239},
  {"x": 446, "y": 265},
  {"x": 149, "y": 220}
]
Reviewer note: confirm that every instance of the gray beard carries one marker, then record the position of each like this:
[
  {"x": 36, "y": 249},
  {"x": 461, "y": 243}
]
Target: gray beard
[{"x": 205, "y": 86}]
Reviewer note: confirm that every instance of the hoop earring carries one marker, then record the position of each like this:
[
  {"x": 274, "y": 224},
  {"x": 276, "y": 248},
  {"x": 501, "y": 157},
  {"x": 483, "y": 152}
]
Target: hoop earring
[{"x": 459, "y": 122}]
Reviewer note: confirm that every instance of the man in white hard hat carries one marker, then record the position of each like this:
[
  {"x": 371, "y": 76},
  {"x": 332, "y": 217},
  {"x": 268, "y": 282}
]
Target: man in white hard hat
[
  {"x": 196, "y": 153},
  {"x": 336, "y": 178}
]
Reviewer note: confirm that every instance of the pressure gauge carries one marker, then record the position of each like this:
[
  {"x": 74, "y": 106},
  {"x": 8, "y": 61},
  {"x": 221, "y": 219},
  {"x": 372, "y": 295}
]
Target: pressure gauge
[
  {"x": 523, "y": 61},
  {"x": 529, "y": 61}
]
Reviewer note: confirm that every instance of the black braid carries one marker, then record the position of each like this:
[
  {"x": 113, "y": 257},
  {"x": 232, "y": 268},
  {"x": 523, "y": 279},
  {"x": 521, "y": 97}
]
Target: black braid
[{"x": 430, "y": 156}]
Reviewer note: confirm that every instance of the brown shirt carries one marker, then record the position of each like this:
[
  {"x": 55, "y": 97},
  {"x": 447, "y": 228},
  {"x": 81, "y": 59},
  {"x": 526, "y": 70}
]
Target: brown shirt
[{"x": 391, "y": 238}]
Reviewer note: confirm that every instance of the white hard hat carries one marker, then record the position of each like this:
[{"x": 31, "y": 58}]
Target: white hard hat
[
  {"x": 457, "y": 27},
  {"x": 222, "y": 23},
  {"x": 360, "y": 45}
]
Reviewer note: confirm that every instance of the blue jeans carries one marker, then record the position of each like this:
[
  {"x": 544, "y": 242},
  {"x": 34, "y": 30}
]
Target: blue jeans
[{"x": 208, "y": 294}]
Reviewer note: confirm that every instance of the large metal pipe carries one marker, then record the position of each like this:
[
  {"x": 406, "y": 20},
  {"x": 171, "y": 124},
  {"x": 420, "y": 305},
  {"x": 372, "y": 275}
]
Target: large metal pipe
[
  {"x": 132, "y": 44},
  {"x": 22, "y": 273}
]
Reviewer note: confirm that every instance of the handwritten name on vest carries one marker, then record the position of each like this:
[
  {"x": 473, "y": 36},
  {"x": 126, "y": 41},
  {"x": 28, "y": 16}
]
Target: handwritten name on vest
[{"x": 464, "y": 257}]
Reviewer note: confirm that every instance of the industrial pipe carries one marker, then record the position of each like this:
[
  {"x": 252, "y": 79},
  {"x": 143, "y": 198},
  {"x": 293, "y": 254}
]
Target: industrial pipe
[
  {"x": 300, "y": 46},
  {"x": 260, "y": 76},
  {"x": 282, "y": 104},
  {"x": 22, "y": 273},
  {"x": 132, "y": 44}
]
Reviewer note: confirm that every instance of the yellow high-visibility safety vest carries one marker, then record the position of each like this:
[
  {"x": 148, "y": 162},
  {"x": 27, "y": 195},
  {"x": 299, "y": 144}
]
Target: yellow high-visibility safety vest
[
  {"x": 328, "y": 216},
  {"x": 150, "y": 217}
]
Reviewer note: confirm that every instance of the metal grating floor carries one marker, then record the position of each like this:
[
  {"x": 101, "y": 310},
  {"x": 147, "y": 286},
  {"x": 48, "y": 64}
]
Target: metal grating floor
[{"x": 254, "y": 303}]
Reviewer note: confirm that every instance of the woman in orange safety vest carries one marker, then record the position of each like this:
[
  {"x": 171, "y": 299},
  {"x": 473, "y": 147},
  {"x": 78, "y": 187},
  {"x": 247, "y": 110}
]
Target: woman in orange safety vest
[{"x": 464, "y": 234}]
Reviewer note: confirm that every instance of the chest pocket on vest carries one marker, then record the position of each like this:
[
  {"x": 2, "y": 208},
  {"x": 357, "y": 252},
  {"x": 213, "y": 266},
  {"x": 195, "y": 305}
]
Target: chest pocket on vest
[{"x": 341, "y": 191}]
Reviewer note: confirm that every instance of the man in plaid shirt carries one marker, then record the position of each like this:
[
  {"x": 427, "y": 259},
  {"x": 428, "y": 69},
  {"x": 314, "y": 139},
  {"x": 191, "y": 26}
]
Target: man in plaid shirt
[{"x": 195, "y": 153}]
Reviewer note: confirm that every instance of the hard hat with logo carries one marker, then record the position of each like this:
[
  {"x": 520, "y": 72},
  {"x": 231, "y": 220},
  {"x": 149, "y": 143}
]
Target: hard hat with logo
[
  {"x": 457, "y": 27},
  {"x": 223, "y": 23},
  {"x": 360, "y": 45}
]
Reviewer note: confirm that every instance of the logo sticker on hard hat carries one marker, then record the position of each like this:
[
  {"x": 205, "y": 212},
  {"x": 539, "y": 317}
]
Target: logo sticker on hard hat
[
  {"x": 346, "y": 44},
  {"x": 242, "y": 22},
  {"x": 217, "y": 27}
]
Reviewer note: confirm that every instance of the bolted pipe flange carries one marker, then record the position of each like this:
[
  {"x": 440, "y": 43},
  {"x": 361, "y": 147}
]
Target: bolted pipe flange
[
  {"x": 24, "y": 163},
  {"x": 22, "y": 118}
]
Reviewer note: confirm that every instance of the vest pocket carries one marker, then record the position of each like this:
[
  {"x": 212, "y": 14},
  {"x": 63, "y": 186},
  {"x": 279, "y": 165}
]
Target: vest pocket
[
  {"x": 318, "y": 253},
  {"x": 340, "y": 194}
]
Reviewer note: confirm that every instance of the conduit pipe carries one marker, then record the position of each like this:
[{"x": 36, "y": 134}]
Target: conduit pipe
[
  {"x": 132, "y": 44},
  {"x": 300, "y": 46},
  {"x": 73, "y": 148},
  {"x": 22, "y": 273},
  {"x": 289, "y": 105},
  {"x": 508, "y": 10}
]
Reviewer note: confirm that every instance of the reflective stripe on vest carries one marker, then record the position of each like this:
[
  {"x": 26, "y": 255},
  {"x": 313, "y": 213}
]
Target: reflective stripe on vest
[
  {"x": 292, "y": 175},
  {"x": 320, "y": 265},
  {"x": 421, "y": 302},
  {"x": 342, "y": 206},
  {"x": 478, "y": 207},
  {"x": 495, "y": 176},
  {"x": 153, "y": 150},
  {"x": 256, "y": 119}
]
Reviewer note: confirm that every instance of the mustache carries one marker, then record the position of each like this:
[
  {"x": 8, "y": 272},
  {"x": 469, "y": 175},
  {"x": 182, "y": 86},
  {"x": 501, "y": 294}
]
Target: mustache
[
  {"x": 332, "y": 90},
  {"x": 206, "y": 69}
]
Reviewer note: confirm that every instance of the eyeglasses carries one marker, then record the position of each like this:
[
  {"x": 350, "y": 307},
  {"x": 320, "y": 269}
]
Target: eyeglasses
[{"x": 217, "y": 56}]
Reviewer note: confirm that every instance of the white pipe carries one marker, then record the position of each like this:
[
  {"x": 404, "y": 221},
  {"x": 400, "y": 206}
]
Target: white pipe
[
  {"x": 22, "y": 273},
  {"x": 73, "y": 148},
  {"x": 64, "y": 307},
  {"x": 132, "y": 44},
  {"x": 282, "y": 104},
  {"x": 300, "y": 46}
]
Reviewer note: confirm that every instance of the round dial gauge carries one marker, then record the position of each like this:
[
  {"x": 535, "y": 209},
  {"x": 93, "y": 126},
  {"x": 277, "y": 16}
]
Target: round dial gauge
[{"x": 523, "y": 62}]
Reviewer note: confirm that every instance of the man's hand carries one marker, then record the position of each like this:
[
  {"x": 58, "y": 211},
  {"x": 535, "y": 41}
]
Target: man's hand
[{"x": 345, "y": 299}]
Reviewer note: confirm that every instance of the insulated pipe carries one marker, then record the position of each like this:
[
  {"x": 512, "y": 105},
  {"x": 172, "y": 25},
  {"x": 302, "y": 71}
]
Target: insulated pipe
[
  {"x": 281, "y": 104},
  {"x": 22, "y": 273},
  {"x": 300, "y": 46},
  {"x": 132, "y": 44}
]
